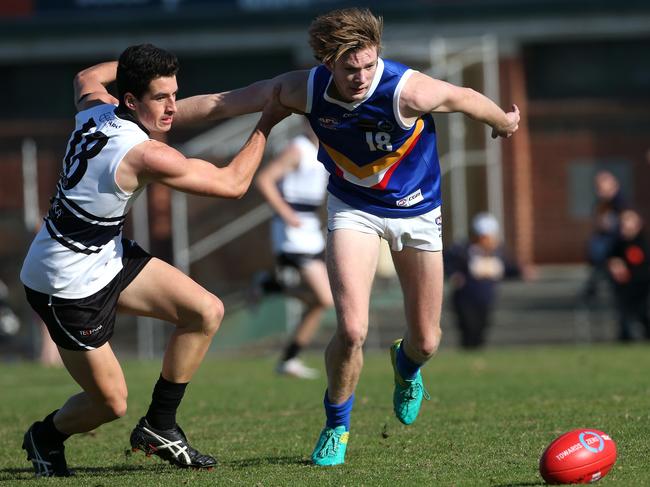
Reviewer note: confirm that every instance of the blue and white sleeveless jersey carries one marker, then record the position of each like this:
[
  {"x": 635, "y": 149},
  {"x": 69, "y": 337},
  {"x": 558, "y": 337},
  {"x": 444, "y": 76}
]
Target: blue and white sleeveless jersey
[
  {"x": 377, "y": 162},
  {"x": 78, "y": 249}
]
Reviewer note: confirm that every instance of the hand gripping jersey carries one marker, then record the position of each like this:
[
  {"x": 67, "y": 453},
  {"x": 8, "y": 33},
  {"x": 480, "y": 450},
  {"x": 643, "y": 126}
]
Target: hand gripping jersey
[
  {"x": 304, "y": 190},
  {"x": 78, "y": 249},
  {"x": 377, "y": 163}
]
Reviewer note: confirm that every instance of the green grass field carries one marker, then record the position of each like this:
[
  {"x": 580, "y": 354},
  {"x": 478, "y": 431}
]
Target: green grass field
[{"x": 490, "y": 416}]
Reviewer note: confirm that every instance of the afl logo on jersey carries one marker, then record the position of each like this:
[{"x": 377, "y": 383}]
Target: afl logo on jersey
[
  {"x": 369, "y": 124},
  {"x": 109, "y": 118},
  {"x": 410, "y": 200},
  {"x": 385, "y": 126},
  {"x": 328, "y": 122}
]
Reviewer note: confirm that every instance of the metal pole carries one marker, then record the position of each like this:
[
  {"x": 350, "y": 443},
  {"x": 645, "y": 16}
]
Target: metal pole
[
  {"x": 31, "y": 218},
  {"x": 493, "y": 153},
  {"x": 458, "y": 172},
  {"x": 31, "y": 211},
  {"x": 229, "y": 232},
  {"x": 145, "y": 324},
  {"x": 180, "y": 236}
]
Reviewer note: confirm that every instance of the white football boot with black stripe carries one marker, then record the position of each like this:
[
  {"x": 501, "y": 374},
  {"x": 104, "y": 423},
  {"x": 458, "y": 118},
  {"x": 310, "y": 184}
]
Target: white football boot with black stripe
[
  {"x": 48, "y": 460},
  {"x": 170, "y": 445}
]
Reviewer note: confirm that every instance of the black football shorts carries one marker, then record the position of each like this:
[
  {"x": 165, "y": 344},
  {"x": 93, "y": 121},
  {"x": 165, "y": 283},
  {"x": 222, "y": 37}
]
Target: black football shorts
[
  {"x": 87, "y": 323},
  {"x": 297, "y": 261}
]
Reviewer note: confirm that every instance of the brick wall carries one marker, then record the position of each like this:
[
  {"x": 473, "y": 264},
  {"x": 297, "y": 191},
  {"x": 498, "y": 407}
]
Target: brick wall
[{"x": 590, "y": 134}]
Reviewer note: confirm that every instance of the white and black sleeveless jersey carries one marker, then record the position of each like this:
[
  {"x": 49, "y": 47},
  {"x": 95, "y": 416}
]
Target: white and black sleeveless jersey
[
  {"x": 78, "y": 249},
  {"x": 304, "y": 190}
]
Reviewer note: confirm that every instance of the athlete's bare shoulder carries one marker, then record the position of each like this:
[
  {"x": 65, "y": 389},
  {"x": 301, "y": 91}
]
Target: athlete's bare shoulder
[
  {"x": 294, "y": 89},
  {"x": 90, "y": 100}
]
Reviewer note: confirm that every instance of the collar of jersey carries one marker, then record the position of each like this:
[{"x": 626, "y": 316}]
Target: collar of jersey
[
  {"x": 373, "y": 87},
  {"x": 125, "y": 114}
]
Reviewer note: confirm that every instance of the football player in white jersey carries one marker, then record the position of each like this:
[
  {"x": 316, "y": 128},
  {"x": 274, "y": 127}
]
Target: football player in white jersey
[
  {"x": 79, "y": 271},
  {"x": 294, "y": 183},
  {"x": 369, "y": 114}
]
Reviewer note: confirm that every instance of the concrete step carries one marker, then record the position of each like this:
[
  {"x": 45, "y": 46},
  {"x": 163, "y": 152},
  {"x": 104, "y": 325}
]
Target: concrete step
[{"x": 548, "y": 309}]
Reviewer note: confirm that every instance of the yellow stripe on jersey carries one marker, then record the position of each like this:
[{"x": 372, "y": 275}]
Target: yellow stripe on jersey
[{"x": 380, "y": 164}]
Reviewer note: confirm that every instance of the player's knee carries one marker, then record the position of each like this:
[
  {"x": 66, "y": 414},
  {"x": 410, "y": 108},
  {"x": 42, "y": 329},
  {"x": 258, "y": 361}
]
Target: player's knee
[
  {"x": 427, "y": 350},
  {"x": 321, "y": 303},
  {"x": 116, "y": 406},
  {"x": 326, "y": 301},
  {"x": 429, "y": 345},
  {"x": 118, "y": 409},
  {"x": 211, "y": 315},
  {"x": 352, "y": 338}
]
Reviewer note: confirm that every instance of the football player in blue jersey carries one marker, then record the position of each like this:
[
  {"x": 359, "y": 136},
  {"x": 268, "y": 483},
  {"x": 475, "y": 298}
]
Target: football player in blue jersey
[
  {"x": 374, "y": 121},
  {"x": 79, "y": 271}
]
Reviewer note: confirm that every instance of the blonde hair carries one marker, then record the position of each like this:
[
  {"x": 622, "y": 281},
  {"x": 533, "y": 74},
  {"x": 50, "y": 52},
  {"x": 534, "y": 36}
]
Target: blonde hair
[{"x": 338, "y": 32}]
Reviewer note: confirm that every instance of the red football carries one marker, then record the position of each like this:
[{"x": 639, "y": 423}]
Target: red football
[{"x": 580, "y": 456}]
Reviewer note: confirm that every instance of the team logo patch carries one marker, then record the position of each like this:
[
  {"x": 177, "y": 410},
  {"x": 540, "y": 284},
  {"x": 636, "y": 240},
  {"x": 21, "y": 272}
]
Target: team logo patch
[
  {"x": 56, "y": 209},
  {"x": 385, "y": 126},
  {"x": 372, "y": 125},
  {"x": 328, "y": 122},
  {"x": 109, "y": 118}
]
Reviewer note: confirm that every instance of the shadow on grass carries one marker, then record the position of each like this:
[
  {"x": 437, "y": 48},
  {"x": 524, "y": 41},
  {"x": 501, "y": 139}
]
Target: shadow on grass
[
  {"x": 519, "y": 484},
  {"x": 259, "y": 461},
  {"x": 17, "y": 474},
  {"x": 13, "y": 474}
]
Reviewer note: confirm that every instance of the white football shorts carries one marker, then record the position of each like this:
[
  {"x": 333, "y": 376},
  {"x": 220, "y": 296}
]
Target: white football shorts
[{"x": 422, "y": 232}]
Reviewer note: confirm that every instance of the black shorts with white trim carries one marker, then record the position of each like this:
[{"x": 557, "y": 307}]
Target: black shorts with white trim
[{"x": 87, "y": 323}]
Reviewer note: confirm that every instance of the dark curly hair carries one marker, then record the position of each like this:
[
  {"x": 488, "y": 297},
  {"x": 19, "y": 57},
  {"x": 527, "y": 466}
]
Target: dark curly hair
[{"x": 141, "y": 64}]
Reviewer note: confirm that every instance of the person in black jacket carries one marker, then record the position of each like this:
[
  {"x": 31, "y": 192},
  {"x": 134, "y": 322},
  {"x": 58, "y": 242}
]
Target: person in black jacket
[
  {"x": 608, "y": 205},
  {"x": 475, "y": 268},
  {"x": 629, "y": 268}
]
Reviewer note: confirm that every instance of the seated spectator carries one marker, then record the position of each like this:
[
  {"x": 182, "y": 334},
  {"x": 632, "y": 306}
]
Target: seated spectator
[
  {"x": 629, "y": 268},
  {"x": 9, "y": 322},
  {"x": 607, "y": 208}
]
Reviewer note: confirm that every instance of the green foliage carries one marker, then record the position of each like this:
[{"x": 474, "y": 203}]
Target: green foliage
[{"x": 490, "y": 417}]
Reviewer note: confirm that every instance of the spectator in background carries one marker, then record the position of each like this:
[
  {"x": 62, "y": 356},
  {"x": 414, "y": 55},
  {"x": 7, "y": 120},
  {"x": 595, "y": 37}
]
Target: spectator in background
[
  {"x": 607, "y": 208},
  {"x": 629, "y": 268},
  {"x": 9, "y": 322},
  {"x": 48, "y": 353},
  {"x": 475, "y": 268},
  {"x": 294, "y": 185}
]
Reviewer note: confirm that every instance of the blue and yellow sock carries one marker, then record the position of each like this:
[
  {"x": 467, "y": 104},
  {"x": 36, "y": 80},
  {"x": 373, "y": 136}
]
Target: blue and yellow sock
[
  {"x": 338, "y": 414},
  {"x": 405, "y": 366}
]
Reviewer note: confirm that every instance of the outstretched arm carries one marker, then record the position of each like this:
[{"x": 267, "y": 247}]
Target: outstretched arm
[
  {"x": 268, "y": 178},
  {"x": 244, "y": 100},
  {"x": 154, "y": 161},
  {"x": 90, "y": 85},
  {"x": 423, "y": 94}
]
